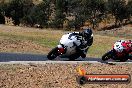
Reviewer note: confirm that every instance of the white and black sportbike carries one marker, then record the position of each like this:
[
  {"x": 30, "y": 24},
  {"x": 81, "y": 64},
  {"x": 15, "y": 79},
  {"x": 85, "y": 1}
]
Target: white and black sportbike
[{"x": 72, "y": 45}]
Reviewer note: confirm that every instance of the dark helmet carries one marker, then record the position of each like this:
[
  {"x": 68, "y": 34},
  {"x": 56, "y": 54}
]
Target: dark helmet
[{"x": 87, "y": 33}]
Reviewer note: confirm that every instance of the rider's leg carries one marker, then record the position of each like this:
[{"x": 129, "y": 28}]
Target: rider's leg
[{"x": 82, "y": 53}]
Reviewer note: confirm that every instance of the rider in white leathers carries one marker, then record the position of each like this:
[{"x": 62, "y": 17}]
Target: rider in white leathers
[{"x": 86, "y": 39}]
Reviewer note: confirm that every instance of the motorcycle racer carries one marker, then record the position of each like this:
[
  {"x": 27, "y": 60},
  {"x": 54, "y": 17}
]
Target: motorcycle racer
[
  {"x": 86, "y": 39},
  {"x": 123, "y": 46},
  {"x": 72, "y": 45},
  {"x": 122, "y": 51}
]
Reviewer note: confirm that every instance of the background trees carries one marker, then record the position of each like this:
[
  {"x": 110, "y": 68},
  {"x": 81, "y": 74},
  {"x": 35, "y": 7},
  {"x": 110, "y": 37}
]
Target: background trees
[
  {"x": 15, "y": 11},
  {"x": 118, "y": 9},
  {"x": 2, "y": 18},
  {"x": 85, "y": 10},
  {"x": 129, "y": 9},
  {"x": 59, "y": 13},
  {"x": 53, "y": 13},
  {"x": 38, "y": 14}
]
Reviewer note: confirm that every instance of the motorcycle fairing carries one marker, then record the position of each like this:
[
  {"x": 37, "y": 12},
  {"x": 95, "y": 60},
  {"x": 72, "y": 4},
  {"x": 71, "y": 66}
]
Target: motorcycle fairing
[{"x": 68, "y": 42}]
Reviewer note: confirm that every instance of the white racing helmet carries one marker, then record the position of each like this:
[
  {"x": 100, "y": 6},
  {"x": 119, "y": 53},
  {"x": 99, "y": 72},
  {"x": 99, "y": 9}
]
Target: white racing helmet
[{"x": 118, "y": 46}]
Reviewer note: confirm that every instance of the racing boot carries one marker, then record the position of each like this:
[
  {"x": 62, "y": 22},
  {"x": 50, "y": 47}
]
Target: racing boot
[{"x": 80, "y": 52}]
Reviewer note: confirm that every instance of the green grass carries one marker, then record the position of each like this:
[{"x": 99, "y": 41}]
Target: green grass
[
  {"x": 40, "y": 40},
  {"x": 100, "y": 45},
  {"x": 50, "y": 38}
]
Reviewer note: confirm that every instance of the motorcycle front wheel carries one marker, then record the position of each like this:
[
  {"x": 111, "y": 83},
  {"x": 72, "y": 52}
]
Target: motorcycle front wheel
[
  {"x": 107, "y": 56},
  {"x": 123, "y": 59},
  {"x": 53, "y": 54}
]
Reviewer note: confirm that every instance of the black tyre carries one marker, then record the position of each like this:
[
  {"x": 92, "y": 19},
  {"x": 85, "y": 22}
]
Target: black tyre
[
  {"x": 108, "y": 55},
  {"x": 73, "y": 57},
  {"x": 124, "y": 58},
  {"x": 130, "y": 56},
  {"x": 52, "y": 54}
]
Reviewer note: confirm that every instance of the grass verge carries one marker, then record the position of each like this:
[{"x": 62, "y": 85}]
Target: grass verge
[{"x": 50, "y": 38}]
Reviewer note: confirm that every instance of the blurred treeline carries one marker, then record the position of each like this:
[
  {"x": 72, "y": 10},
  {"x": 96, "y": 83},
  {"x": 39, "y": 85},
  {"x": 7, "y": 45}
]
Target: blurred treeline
[{"x": 66, "y": 13}]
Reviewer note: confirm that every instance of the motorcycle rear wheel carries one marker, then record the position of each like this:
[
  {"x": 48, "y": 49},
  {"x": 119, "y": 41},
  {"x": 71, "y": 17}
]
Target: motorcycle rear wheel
[
  {"x": 107, "y": 56},
  {"x": 125, "y": 58},
  {"x": 111, "y": 55},
  {"x": 52, "y": 54},
  {"x": 73, "y": 57}
]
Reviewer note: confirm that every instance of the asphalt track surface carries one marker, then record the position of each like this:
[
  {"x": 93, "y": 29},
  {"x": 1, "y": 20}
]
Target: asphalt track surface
[{"x": 18, "y": 58}]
